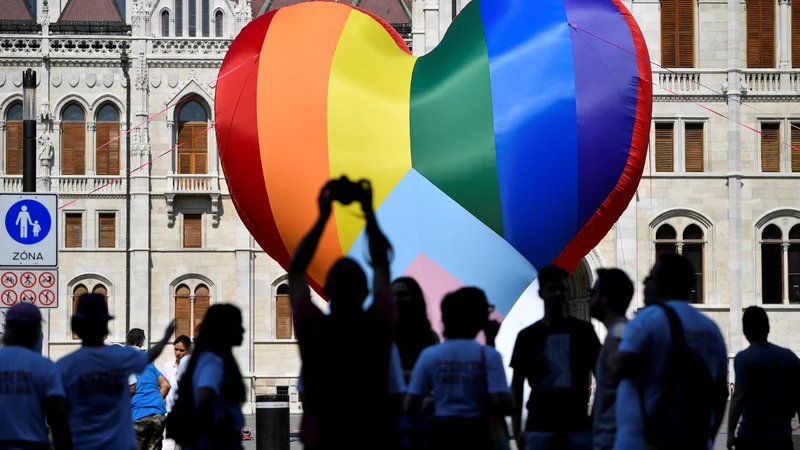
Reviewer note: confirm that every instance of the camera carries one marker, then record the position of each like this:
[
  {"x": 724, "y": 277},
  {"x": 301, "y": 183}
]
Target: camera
[{"x": 346, "y": 192}]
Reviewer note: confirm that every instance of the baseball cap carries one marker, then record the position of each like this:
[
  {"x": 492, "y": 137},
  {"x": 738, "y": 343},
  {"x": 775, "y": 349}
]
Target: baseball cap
[
  {"x": 92, "y": 307},
  {"x": 24, "y": 313}
]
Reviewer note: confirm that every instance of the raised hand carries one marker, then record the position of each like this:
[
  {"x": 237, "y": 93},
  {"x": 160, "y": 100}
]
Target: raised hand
[{"x": 324, "y": 200}]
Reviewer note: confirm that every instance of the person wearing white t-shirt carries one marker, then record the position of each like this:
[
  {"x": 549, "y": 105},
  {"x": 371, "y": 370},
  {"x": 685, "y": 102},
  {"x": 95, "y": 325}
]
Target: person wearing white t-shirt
[{"x": 182, "y": 346}]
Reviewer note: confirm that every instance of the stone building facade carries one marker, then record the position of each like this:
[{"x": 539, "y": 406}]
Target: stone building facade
[
  {"x": 722, "y": 181},
  {"x": 120, "y": 84}
]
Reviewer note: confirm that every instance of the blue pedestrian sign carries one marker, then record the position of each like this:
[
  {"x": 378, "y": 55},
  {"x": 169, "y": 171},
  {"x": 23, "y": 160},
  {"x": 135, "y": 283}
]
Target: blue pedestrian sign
[
  {"x": 29, "y": 235},
  {"x": 28, "y": 222}
]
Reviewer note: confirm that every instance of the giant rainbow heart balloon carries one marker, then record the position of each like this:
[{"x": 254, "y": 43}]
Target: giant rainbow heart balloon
[{"x": 516, "y": 143}]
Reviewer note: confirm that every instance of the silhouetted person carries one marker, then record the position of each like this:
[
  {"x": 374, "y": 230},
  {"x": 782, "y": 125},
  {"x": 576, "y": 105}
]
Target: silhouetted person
[
  {"x": 462, "y": 374},
  {"x": 208, "y": 411},
  {"x": 96, "y": 379},
  {"x": 557, "y": 356},
  {"x": 766, "y": 393},
  {"x": 31, "y": 389},
  {"x": 673, "y": 367},
  {"x": 148, "y": 409},
  {"x": 608, "y": 302},
  {"x": 414, "y": 331},
  {"x": 349, "y": 337}
]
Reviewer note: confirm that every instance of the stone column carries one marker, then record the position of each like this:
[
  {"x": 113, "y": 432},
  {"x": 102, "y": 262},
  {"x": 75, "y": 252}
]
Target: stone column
[
  {"x": 625, "y": 246},
  {"x": 418, "y": 27},
  {"x": 245, "y": 297},
  {"x": 785, "y": 256},
  {"x": 431, "y": 25},
  {"x": 3, "y": 149},
  {"x": 784, "y": 35},
  {"x": 91, "y": 147},
  {"x": 734, "y": 173}
]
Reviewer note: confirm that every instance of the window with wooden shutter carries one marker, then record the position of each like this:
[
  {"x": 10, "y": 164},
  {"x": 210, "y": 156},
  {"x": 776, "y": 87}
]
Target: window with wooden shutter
[
  {"x": 677, "y": 33},
  {"x": 107, "y": 141},
  {"x": 14, "y": 140},
  {"x": 202, "y": 301},
  {"x": 107, "y": 236},
  {"x": 77, "y": 291},
  {"x": 770, "y": 147},
  {"x": 665, "y": 147},
  {"x": 795, "y": 34},
  {"x": 73, "y": 232},
  {"x": 73, "y": 141},
  {"x": 193, "y": 142},
  {"x": 283, "y": 317},
  {"x": 760, "y": 34},
  {"x": 192, "y": 230},
  {"x": 183, "y": 311},
  {"x": 796, "y": 145},
  {"x": 693, "y": 146}
]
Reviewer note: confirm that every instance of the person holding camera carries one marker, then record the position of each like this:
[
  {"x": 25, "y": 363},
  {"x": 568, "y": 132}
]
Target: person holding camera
[{"x": 351, "y": 340}]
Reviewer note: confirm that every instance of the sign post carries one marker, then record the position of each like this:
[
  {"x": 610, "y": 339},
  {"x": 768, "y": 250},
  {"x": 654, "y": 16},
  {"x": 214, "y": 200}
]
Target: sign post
[{"x": 29, "y": 249}]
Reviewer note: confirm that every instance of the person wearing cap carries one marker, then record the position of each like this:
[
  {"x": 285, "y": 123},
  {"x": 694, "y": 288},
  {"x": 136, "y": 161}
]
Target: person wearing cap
[
  {"x": 31, "y": 389},
  {"x": 95, "y": 379}
]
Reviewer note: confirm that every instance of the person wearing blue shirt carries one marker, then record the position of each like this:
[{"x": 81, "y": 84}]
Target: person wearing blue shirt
[
  {"x": 462, "y": 374},
  {"x": 766, "y": 393},
  {"x": 96, "y": 378},
  {"x": 148, "y": 408},
  {"x": 608, "y": 303},
  {"x": 646, "y": 349},
  {"x": 30, "y": 387}
]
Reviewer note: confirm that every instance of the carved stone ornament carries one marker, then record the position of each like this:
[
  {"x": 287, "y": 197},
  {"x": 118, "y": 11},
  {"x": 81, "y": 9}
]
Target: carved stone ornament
[
  {"x": 122, "y": 82},
  {"x": 91, "y": 79},
  {"x": 192, "y": 75},
  {"x": 212, "y": 82},
  {"x": 2, "y": 79},
  {"x": 74, "y": 79},
  {"x": 170, "y": 198},
  {"x": 108, "y": 79},
  {"x": 155, "y": 80},
  {"x": 17, "y": 80},
  {"x": 56, "y": 79},
  {"x": 172, "y": 80}
]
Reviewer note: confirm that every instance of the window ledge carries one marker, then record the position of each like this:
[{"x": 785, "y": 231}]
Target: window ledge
[
  {"x": 275, "y": 341},
  {"x": 88, "y": 249},
  {"x": 781, "y": 307}
]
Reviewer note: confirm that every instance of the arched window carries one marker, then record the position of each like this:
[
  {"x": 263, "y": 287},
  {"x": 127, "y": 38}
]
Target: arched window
[
  {"x": 165, "y": 23},
  {"x": 77, "y": 291},
  {"x": 693, "y": 251},
  {"x": 206, "y": 18},
  {"x": 771, "y": 265},
  {"x": 190, "y": 308},
  {"x": 14, "y": 139},
  {"x": 691, "y": 245},
  {"x": 107, "y": 149},
  {"x": 73, "y": 140},
  {"x": 794, "y": 264},
  {"x": 666, "y": 240},
  {"x": 219, "y": 20},
  {"x": 178, "y": 20},
  {"x": 193, "y": 150},
  {"x": 283, "y": 313}
]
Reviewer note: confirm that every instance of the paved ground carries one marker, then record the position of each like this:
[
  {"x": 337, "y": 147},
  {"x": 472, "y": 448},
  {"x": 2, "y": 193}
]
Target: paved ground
[{"x": 295, "y": 425}]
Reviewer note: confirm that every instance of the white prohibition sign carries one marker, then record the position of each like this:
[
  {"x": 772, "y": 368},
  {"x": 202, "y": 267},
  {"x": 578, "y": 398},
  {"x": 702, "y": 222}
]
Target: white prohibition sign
[
  {"x": 28, "y": 297},
  {"x": 47, "y": 297},
  {"x": 27, "y": 279},
  {"x": 8, "y": 298},
  {"x": 47, "y": 280},
  {"x": 9, "y": 280}
]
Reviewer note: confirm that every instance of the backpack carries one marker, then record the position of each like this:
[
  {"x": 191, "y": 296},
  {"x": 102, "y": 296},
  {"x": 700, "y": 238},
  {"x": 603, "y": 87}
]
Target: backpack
[
  {"x": 682, "y": 416},
  {"x": 181, "y": 424}
]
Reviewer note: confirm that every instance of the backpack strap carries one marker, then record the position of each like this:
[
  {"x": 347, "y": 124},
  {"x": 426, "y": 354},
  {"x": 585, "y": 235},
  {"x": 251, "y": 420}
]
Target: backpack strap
[{"x": 677, "y": 339}]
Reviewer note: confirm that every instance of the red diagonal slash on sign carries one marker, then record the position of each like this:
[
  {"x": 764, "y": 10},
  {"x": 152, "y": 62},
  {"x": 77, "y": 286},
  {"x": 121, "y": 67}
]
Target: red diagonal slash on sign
[
  {"x": 9, "y": 280},
  {"x": 8, "y": 298},
  {"x": 28, "y": 297}
]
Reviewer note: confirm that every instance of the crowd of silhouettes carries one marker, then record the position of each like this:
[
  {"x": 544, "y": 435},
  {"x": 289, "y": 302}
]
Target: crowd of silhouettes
[{"x": 661, "y": 378}]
